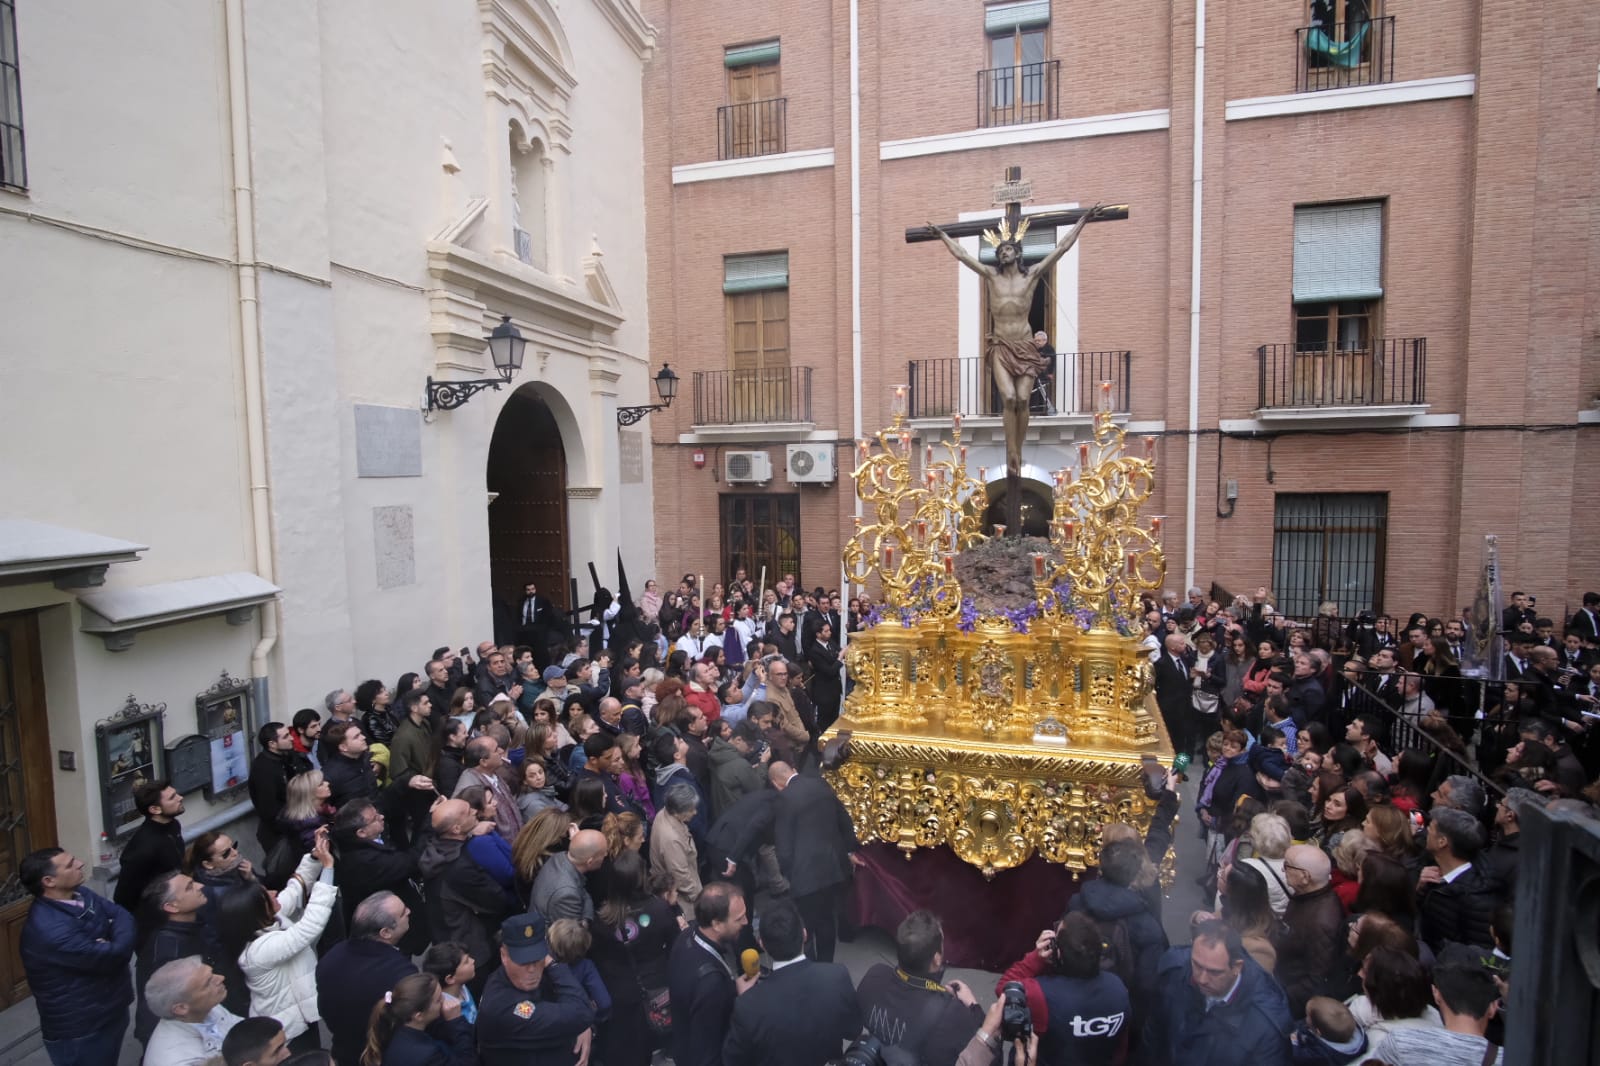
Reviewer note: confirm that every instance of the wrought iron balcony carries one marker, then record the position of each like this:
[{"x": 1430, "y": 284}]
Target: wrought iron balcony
[
  {"x": 1337, "y": 57},
  {"x": 752, "y": 397},
  {"x": 1011, "y": 96},
  {"x": 754, "y": 128},
  {"x": 1389, "y": 372},
  {"x": 943, "y": 387}
]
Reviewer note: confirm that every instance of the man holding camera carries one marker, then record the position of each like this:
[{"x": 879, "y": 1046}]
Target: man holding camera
[
  {"x": 1059, "y": 990},
  {"x": 911, "y": 1006}
]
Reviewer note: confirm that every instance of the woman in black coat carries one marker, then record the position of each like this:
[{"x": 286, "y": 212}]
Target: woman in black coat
[
  {"x": 633, "y": 936},
  {"x": 825, "y": 689}
]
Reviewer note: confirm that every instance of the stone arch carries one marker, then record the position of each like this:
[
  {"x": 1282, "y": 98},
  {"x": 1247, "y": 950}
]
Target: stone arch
[{"x": 1037, "y": 494}]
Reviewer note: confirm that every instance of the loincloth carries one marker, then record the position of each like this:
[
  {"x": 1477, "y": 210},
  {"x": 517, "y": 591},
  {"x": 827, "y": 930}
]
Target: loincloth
[{"x": 1017, "y": 358}]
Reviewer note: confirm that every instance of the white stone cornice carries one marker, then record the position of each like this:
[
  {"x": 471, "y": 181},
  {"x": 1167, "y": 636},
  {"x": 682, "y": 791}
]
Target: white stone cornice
[
  {"x": 630, "y": 24},
  {"x": 508, "y": 283},
  {"x": 1354, "y": 96},
  {"x": 716, "y": 169}
]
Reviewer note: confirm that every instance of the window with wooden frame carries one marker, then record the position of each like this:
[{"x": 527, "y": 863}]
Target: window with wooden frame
[
  {"x": 1337, "y": 302},
  {"x": 760, "y": 530},
  {"x": 1018, "y": 84},
  {"x": 756, "y": 293},
  {"x": 753, "y": 120}
]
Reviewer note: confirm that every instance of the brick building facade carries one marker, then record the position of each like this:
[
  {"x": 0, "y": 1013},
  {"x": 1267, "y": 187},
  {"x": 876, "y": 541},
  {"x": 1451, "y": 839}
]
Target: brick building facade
[{"x": 1399, "y": 272}]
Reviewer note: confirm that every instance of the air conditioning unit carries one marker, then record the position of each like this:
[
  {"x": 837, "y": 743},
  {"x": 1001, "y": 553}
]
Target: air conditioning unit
[
  {"x": 747, "y": 468},
  {"x": 811, "y": 464}
]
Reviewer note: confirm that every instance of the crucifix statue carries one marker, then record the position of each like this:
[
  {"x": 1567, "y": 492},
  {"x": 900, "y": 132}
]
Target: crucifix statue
[{"x": 1014, "y": 359}]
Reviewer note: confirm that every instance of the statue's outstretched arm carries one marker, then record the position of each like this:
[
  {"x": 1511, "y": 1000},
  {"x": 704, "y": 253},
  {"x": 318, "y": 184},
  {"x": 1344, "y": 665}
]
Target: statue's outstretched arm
[
  {"x": 960, "y": 253},
  {"x": 1064, "y": 243}
]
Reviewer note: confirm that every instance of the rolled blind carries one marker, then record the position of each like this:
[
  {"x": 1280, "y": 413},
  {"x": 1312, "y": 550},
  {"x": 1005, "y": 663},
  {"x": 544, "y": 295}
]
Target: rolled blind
[
  {"x": 1004, "y": 18},
  {"x": 746, "y": 55},
  {"x": 1036, "y": 244},
  {"x": 1338, "y": 252},
  {"x": 752, "y": 273}
]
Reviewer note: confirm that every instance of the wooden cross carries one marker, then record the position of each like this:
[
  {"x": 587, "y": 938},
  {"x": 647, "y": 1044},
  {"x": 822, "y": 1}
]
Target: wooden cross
[{"x": 1010, "y": 194}]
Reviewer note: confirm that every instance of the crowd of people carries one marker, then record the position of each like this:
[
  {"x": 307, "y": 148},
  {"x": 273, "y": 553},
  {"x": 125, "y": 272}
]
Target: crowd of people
[{"x": 602, "y": 846}]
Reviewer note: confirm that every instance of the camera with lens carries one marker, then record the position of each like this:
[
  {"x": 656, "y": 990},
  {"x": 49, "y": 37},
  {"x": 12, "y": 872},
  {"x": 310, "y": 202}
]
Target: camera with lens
[
  {"x": 867, "y": 1051},
  {"x": 1016, "y": 1020}
]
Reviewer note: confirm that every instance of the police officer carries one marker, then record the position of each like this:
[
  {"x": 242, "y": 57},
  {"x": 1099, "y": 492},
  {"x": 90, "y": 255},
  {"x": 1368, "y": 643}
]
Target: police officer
[{"x": 534, "y": 1012}]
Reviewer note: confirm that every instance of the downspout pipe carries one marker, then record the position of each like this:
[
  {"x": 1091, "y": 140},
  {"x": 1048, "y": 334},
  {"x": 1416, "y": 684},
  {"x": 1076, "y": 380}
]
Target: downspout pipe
[
  {"x": 1198, "y": 188},
  {"x": 244, "y": 230},
  {"x": 856, "y": 432}
]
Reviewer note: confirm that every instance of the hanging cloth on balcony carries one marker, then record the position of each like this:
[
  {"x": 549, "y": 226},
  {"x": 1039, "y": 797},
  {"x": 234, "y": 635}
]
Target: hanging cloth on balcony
[{"x": 1345, "y": 54}]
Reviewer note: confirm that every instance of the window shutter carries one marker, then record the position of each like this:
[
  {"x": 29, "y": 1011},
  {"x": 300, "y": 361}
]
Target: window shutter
[
  {"x": 746, "y": 55},
  {"x": 1036, "y": 244},
  {"x": 1006, "y": 18},
  {"x": 1338, "y": 253},
  {"x": 753, "y": 273}
]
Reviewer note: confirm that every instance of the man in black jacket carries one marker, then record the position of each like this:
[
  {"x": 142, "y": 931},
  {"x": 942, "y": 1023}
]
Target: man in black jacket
[
  {"x": 817, "y": 845},
  {"x": 180, "y": 902},
  {"x": 1111, "y": 901},
  {"x": 1457, "y": 900},
  {"x": 155, "y": 848},
  {"x": 464, "y": 903},
  {"x": 270, "y": 772},
  {"x": 766, "y": 1027},
  {"x": 1175, "y": 693},
  {"x": 912, "y": 1007},
  {"x": 368, "y": 864},
  {"x": 356, "y": 973},
  {"x": 1500, "y": 861},
  {"x": 700, "y": 981}
]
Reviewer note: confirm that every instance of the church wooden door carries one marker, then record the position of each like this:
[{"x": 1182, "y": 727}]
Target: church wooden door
[
  {"x": 27, "y": 805},
  {"x": 527, "y": 470}
]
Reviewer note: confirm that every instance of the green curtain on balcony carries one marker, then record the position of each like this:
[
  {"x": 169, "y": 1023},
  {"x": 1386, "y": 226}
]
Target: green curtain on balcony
[{"x": 1345, "y": 53}]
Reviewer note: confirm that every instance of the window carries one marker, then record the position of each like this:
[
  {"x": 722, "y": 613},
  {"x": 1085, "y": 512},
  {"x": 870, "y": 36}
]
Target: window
[
  {"x": 13, "y": 166},
  {"x": 1019, "y": 84},
  {"x": 761, "y": 529},
  {"x": 1329, "y": 547},
  {"x": 756, "y": 290},
  {"x": 1337, "y": 297},
  {"x": 752, "y": 122},
  {"x": 1341, "y": 33}
]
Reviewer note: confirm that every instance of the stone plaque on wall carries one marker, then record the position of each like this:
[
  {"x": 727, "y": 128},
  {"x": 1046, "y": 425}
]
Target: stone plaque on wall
[
  {"x": 393, "y": 547},
  {"x": 388, "y": 441},
  {"x": 630, "y": 456}
]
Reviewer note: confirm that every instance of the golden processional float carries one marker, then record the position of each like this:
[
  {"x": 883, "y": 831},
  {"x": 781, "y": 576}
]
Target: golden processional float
[{"x": 1002, "y": 701}]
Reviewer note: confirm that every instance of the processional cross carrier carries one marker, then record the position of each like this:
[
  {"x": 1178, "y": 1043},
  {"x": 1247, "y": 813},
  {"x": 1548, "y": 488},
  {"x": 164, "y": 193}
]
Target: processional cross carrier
[{"x": 1014, "y": 359}]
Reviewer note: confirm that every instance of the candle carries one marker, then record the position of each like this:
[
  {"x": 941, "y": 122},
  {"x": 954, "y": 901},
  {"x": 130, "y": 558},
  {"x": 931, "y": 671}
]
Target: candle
[
  {"x": 930, "y": 476},
  {"x": 955, "y": 544},
  {"x": 956, "y": 420},
  {"x": 1068, "y": 528},
  {"x": 899, "y": 401},
  {"x": 999, "y": 530},
  {"x": 1133, "y": 563},
  {"x": 950, "y": 561},
  {"x": 858, "y": 522},
  {"x": 1083, "y": 457},
  {"x": 1105, "y": 396},
  {"x": 983, "y": 475},
  {"x": 1150, "y": 448},
  {"x": 1038, "y": 565},
  {"x": 927, "y": 456},
  {"x": 862, "y": 450},
  {"x": 905, "y": 441},
  {"x": 1155, "y": 525},
  {"x": 888, "y": 556},
  {"x": 963, "y": 457},
  {"x": 922, "y": 532}
]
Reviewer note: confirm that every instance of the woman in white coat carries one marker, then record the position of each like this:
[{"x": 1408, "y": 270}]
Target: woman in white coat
[{"x": 274, "y": 938}]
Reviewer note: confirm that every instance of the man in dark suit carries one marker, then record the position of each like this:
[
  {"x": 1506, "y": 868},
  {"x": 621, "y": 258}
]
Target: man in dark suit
[
  {"x": 270, "y": 771},
  {"x": 1175, "y": 693},
  {"x": 1521, "y": 610},
  {"x": 784, "y": 639},
  {"x": 816, "y": 847},
  {"x": 538, "y": 624},
  {"x": 356, "y": 973},
  {"x": 700, "y": 981},
  {"x": 767, "y": 1028},
  {"x": 1586, "y": 620},
  {"x": 369, "y": 864}
]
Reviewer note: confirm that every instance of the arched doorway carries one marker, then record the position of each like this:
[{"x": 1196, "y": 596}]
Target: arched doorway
[
  {"x": 527, "y": 472},
  {"x": 1036, "y": 508}
]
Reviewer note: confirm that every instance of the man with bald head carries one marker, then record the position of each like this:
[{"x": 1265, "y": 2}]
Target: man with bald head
[
  {"x": 559, "y": 890},
  {"x": 1313, "y": 938},
  {"x": 464, "y": 901},
  {"x": 817, "y": 846}
]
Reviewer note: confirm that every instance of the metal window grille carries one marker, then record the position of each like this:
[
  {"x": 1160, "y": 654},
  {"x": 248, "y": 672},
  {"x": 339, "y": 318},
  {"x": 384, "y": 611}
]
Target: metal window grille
[
  {"x": 1329, "y": 546},
  {"x": 13, "y": 164}
]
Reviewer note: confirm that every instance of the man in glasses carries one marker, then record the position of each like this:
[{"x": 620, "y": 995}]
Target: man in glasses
[{"x": 1312, "y": 941}]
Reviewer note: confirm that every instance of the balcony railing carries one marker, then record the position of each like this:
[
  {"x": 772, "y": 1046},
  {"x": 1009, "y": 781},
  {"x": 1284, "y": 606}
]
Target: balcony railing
[
  {"x": 1337, "y": 57},
  {"x": 1011, "y": 96},
  {"x": 752, "y": 397},
  {"x": 943, "y": 387},
  {"x": 755, "y": 128},
  {"x": 1390, "y": 372}
]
